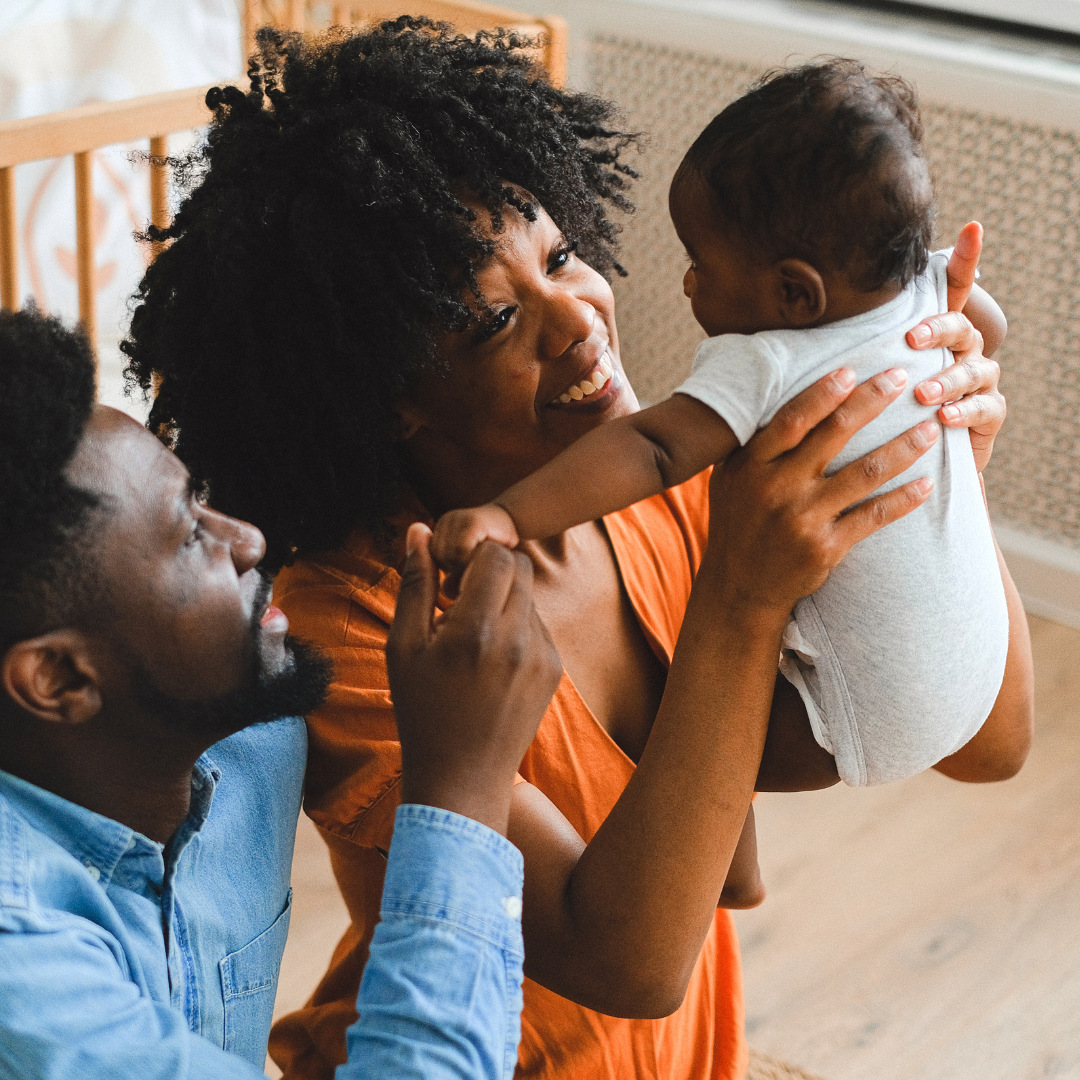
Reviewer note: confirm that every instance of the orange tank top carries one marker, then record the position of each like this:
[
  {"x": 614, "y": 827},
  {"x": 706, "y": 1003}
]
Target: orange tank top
[{"x": 344, "y": 602}]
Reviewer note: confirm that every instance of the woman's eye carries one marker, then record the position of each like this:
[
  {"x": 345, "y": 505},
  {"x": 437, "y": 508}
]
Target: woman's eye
[
  {"x": 562, "y": 257},
  {"x": 498, "y": 322}
]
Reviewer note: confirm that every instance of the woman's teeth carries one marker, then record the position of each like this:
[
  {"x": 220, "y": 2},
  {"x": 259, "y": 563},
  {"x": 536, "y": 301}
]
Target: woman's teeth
[{"x": 594, "y": 381}]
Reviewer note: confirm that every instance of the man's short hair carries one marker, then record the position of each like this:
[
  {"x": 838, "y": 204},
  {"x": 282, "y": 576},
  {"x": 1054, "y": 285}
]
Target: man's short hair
[
  {"x": 823, "y": 162},
  {"x": 46, "y": 397}
]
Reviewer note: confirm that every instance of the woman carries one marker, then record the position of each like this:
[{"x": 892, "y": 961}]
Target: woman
[{"x": 376, "y": 295}]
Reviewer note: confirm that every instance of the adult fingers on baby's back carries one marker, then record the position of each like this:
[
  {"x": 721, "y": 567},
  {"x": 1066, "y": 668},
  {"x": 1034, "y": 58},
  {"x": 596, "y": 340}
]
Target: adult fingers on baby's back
[
  {"x": 866, "y": 518},
  {"x": 866, "y": 402},
  {"x": 802, "y": 414},
  {"x": 861, "y": 478}
]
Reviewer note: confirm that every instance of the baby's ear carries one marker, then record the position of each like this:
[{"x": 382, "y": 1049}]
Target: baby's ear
[{"x": 801, "y": 290}]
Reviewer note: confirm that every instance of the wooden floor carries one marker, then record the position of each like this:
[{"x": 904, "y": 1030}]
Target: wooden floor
[{"x": 920, "y": 931}]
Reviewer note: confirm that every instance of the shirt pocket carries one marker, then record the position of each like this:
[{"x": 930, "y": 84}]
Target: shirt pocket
[{"x": 249, "y": 979}]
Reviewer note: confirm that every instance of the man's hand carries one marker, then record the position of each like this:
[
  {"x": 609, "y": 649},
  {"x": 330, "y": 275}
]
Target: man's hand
[{"x": 469, "y": 687}]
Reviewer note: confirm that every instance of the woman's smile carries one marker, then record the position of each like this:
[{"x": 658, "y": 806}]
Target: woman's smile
[{"x": 601, "y": 383}]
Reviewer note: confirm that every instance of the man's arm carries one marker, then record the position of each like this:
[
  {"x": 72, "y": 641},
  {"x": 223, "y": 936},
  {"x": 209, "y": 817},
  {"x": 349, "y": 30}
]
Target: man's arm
[
  {"x": 441, "y": 993},
  {"x": 67, "y": 1009}
]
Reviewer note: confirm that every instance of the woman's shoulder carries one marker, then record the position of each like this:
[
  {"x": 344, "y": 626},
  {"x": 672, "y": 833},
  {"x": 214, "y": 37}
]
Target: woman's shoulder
[
  {"x": 338, "y": 595},
  {"x": 658, "y": 545},
  {"x": 676, "y": 519}
]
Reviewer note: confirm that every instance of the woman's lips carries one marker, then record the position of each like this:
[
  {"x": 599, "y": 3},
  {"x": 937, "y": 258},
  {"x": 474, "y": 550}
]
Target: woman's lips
[{"x": 595, "y": 381}]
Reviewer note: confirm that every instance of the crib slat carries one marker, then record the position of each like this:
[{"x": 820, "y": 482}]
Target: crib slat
[
  {"x": 9, "y": 241},
  {"x": 84, "y": 242},
  {"x": 159, "y": 188}
]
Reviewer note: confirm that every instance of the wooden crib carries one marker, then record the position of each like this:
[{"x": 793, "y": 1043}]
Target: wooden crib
[{"x": 81, "y": 131}]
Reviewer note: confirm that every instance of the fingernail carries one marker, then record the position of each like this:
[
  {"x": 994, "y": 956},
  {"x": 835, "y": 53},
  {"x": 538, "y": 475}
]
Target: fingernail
[
  {"x": 897, "y": 377},
  {"x": 928, "y": 431},
  {"x": 951, "y": 412},
  {"x": 932, "y": 391},
  {"x": 844, "y": 378},
  {"x": 410, "y": 540},
  {"x": 924, "y": 485},
  {"x": 922, "y": 334}
]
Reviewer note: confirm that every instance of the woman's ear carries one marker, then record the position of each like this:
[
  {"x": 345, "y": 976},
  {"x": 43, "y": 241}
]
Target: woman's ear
[
  {"x": 53, "y": 677},
  {"x": 802, "y": 298},
  {"x": 410, "y": 420}
]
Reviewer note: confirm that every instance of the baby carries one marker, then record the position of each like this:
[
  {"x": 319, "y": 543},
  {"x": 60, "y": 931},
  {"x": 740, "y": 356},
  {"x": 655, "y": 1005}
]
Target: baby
[{"x": 806, "y": 210}]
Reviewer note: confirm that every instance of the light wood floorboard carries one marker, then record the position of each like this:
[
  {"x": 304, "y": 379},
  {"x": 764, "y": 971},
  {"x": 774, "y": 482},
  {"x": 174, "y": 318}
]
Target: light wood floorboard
[{"x": 929, "y": 929}]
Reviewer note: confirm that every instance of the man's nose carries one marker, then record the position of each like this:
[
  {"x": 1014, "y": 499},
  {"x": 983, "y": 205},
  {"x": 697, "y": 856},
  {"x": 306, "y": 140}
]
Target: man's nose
[{"x": 247, "y": 545}]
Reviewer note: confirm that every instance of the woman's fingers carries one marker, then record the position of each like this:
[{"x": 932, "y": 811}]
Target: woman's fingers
[
  {"x": 868, "y": 517},
  {"x": 801, "y": 415},
  {"x": 867, "y": 401},
  {"x": 415, "y": 610},
  {"x": 950, "y": 330},
  {"x": 860, "y": 479},
  {"x": 983, "y": 412},
  {"x": 971, "y": 374},
  {"x": 964, "y": 261}
]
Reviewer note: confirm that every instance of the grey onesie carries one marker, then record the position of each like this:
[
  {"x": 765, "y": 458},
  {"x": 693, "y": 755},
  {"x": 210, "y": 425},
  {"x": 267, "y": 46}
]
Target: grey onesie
[{"x": 899, "y": 656}]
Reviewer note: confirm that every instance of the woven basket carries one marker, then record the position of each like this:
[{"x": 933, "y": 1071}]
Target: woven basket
[{"x": 763, "y": 1067}]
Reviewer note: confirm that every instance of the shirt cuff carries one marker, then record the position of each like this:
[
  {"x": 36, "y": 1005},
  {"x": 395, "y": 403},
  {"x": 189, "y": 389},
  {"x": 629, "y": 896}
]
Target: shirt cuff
[{"x": 453, "y": 870}]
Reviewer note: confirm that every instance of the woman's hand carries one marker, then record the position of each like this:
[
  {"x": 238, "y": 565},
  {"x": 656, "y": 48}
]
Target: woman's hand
[
  {"x": 968, "y": 391},
  {"x": 778, "y": 524}
]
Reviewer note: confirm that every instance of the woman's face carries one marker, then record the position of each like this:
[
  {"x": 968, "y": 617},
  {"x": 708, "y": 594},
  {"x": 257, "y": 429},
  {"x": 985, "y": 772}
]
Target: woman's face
[{"x": 537, "y": 374}]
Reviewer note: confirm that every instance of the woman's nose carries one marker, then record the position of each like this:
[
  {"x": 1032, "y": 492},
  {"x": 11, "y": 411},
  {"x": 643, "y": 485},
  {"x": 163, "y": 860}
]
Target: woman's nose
[{"x": 570, "y": 320}]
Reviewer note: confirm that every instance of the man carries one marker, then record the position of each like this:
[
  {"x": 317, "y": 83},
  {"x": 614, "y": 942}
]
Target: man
[{"x": 149, "y": 787}]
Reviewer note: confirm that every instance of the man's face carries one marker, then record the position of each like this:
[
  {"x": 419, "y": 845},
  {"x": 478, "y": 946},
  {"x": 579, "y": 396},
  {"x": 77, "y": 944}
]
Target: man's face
[{"x": 189, "y": 627}]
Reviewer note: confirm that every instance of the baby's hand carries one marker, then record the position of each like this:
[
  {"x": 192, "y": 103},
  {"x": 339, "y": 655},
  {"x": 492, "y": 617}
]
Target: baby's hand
[{"x": 460, "y": 532}]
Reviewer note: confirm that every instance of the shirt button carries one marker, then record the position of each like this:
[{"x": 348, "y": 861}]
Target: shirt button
[
  {"x": 512, "y": 906},
  {"x": 92, "y": 870}
]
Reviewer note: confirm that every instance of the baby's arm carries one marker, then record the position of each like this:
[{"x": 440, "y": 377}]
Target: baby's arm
[{"x": 612, "y": 466}]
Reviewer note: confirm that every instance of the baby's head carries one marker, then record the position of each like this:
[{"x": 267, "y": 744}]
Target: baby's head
[{"x": 805, "y": 201}]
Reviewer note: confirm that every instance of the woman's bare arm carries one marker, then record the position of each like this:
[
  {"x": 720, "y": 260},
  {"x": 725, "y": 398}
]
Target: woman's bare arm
[{"x": 617, "y": 924}]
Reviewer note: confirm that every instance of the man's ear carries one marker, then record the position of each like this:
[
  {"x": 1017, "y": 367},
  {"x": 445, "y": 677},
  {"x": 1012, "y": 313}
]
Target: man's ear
[
  {"x": 53, "y": 677},
  {"x": 802, "y": 298}
]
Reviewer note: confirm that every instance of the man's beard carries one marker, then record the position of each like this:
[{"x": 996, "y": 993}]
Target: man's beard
[{"x": 296, "y": 690}]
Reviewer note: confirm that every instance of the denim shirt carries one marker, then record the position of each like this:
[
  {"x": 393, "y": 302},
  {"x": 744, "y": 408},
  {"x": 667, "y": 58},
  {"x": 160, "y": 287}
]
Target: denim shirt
[{"x": 90, "y": 986}]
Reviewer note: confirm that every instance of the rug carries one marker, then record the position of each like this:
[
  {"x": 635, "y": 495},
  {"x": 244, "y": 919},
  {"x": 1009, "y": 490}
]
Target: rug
[{"x": 763, "y": 1067}]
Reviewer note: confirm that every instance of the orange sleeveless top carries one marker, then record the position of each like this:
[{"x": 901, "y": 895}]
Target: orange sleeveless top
[{"x": 344, "y": 601}]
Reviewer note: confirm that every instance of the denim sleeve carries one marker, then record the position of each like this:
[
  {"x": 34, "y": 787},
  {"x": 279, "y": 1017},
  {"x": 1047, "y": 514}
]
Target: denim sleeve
[
  {"x": 67, "y": 1010},
  {"x": 441, "y": 995}
]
